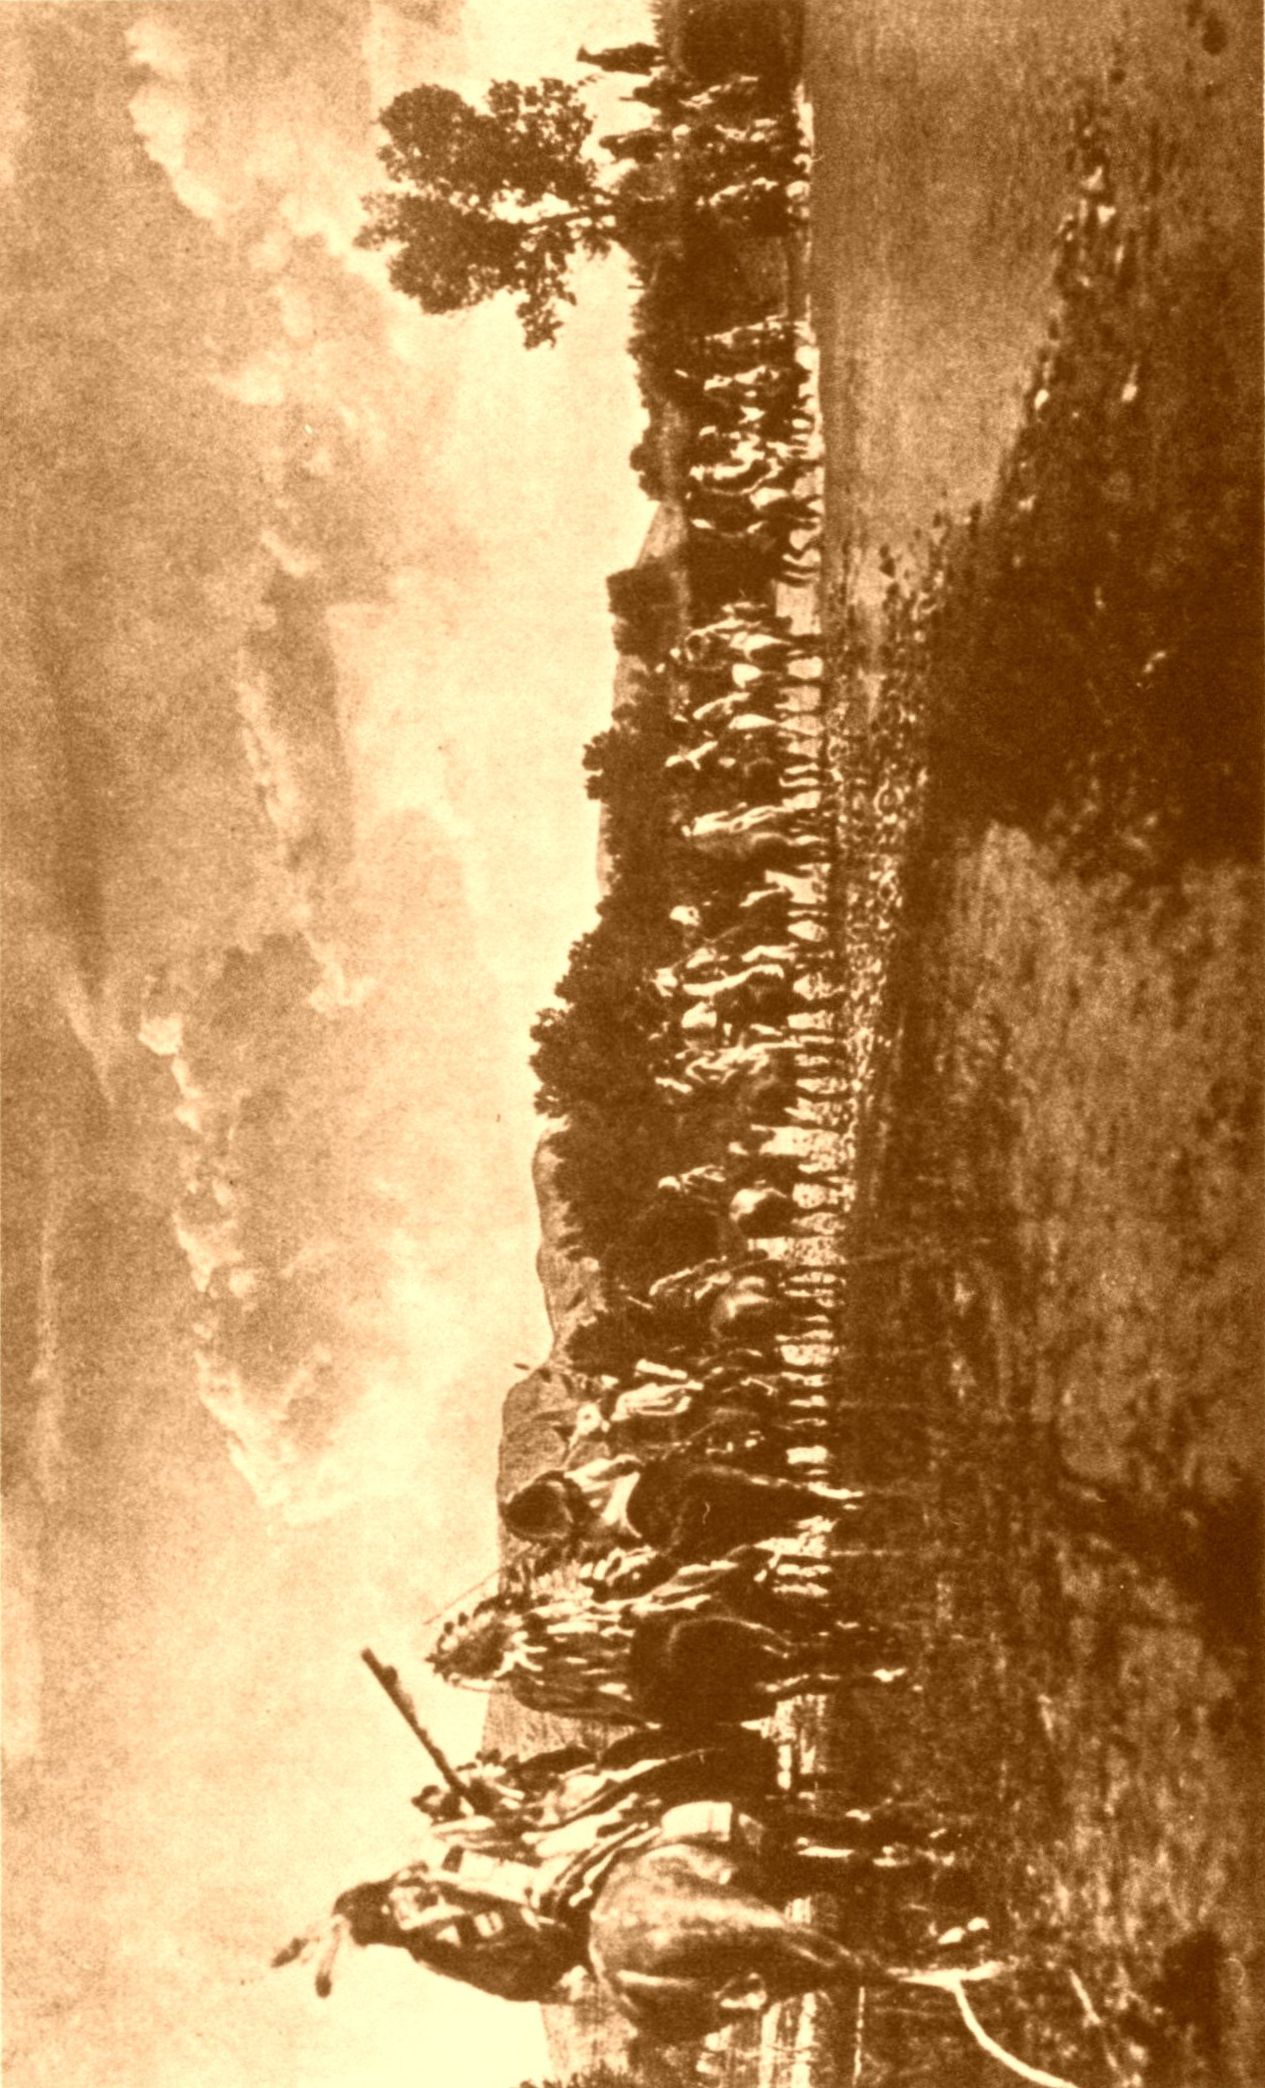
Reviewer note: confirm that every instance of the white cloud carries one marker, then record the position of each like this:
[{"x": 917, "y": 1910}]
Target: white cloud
[
  {"x": 208, "y": 1249},
  {"x": 14, "y": 80},
  {"x": 261, "y": 382},
  {"x": 153, "y": 41},
  {"x": 272, "y": 251},
  {"x": 164, "y": 123},
  {"x": 281, "y": 146},
  {"x": 162, "y": 1034},
  {"x": 294, "y": 562},
  {"x": 317, "y": 205},
  {"x": 295, "y": 308},
  {"x": 269, "y": 761}
]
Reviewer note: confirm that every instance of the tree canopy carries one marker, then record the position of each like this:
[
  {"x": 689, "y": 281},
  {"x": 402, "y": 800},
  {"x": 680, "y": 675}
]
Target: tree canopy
[{"x": 483, "y": 200}]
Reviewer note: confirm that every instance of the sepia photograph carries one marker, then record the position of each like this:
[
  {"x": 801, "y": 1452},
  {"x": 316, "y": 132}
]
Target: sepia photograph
[{"x": 633, "y": 1265}]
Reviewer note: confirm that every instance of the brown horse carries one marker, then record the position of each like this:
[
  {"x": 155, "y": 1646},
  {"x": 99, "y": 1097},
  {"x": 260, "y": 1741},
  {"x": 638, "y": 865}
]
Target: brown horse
[
  {"x": 681, "y": 1940},
  {"x": 680, "y": 1937}
]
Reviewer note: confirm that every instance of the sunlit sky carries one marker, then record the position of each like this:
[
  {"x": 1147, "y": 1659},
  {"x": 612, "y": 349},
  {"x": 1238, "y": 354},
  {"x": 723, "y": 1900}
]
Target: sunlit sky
[{"x": 310, "y": 633}]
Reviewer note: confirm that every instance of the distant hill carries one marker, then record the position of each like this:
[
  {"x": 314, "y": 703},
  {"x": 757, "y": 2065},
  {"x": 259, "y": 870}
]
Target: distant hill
[
  {"x": 569, "y": 1278},
  {"x": 537, "y": 1413}
]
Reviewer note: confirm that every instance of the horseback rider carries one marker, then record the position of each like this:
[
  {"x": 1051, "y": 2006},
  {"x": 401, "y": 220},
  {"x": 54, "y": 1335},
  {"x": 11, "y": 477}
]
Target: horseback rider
[
  {"x": 483, "y": 1940},
  {"x": 499, "y": 1903}
]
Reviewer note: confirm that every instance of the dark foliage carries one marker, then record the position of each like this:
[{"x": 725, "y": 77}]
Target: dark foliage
[
  {"x": 597, "y": 1052},
  {"x": 595, "y": 1059},
  {"x": 643, "y": 604},
  {"x": 490, "y": 199},
  {"x": 760, "y": 37}
]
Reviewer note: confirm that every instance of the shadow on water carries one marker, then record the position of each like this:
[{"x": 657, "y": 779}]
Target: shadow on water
[{"x": 1074, "y": 519}]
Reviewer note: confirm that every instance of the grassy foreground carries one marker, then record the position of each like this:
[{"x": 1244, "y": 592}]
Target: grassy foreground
[{"x": 1051, "y": 1328}]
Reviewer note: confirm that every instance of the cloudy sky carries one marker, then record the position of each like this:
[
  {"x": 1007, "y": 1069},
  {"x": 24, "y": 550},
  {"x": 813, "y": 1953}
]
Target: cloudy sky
[{"x": 304, "y": 627}]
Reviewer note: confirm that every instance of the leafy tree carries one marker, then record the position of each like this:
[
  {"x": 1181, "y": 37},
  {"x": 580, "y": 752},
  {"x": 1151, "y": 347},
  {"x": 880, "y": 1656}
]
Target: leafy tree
[
  {"x": 483, "y": 200},
  {"x": 624, "y": 770},
  {"x": 595, "y": 1060},
  {"x": 602, "y": 1045}
]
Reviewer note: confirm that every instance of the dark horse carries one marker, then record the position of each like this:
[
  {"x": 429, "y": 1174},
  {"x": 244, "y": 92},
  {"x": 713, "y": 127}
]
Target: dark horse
[
  {"x": 678, "y": 1938},
  {"x": 682, "y": 1940}
]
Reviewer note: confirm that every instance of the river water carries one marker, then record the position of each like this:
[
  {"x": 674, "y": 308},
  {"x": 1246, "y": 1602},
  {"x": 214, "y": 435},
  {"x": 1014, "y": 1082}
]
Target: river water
[
  {"x": 1107, "y": 995},
  {"x": 942, "y": 131}
]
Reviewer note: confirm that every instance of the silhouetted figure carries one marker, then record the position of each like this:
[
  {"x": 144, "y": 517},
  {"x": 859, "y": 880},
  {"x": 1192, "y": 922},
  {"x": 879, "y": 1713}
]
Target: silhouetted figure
[
  {"x": 624, "y": 58},
  {"x": 685, "y": 1506},
  {"x": 642, "y": 146},
  {"x": 501, "y": 1948}
]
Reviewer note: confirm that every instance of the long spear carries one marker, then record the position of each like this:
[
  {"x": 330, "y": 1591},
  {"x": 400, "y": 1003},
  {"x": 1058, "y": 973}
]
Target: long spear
[{"x": 391, "y": 1683}]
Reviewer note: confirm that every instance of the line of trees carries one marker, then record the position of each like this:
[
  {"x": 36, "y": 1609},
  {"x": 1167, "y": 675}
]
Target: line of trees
[
  {"x": 508, "y": 197},
  {"x": 597, "y": 1052}
]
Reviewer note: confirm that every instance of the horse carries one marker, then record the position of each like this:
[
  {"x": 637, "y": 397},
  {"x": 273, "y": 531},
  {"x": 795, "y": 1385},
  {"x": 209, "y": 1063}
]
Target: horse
[
  {"x": 681, "y": 1940},
  {"x": 682, "y": 1937},
  {"x": 749, "y": 1304},
  {"x": 762, "y": 1212},
  {"x": 686, "y": 1506},
  {"x": 751, "y": 851},
  {"x": 693, "y": 1671}
]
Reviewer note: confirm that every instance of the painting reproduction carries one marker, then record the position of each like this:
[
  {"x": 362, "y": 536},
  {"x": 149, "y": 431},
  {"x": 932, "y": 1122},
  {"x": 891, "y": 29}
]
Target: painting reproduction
[{"x": 632, "y": 1043}]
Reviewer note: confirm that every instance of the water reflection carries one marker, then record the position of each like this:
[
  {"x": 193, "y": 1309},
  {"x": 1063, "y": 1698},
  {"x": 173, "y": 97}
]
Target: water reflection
[{"x": 943, "y": 134}]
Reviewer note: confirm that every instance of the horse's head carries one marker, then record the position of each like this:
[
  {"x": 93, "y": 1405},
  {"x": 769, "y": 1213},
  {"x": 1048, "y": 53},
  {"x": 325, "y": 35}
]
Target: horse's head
[{"x": 542, "y": 1512}]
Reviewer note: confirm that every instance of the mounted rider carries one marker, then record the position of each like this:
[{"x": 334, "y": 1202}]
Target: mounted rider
[{"x": 500, "y": 1901}]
